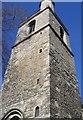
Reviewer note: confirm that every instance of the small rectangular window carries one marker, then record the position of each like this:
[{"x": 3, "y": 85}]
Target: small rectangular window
[
  {"x": 31, "y": 26},
  {"x": 37, "y": 81},
  {"x": 40, "y": 51},
  {"x": 61, "y": 32}
]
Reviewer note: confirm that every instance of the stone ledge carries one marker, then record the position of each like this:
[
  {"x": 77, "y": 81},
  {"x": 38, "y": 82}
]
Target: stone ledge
[{"x": 39, "y": 31}]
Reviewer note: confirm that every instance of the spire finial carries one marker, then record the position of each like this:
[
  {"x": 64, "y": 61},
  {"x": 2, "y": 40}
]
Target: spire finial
[{"x": 47, "y": 3}]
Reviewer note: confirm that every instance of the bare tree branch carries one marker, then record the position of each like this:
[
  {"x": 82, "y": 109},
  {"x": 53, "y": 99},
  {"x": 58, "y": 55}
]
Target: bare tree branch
[{"x": 12, "y": 15}]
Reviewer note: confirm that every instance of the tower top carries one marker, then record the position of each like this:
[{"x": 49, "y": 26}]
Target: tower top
[{"x": 47, "y": 3}]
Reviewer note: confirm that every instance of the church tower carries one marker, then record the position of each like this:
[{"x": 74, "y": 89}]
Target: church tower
[{"x": 40, "y": 81}]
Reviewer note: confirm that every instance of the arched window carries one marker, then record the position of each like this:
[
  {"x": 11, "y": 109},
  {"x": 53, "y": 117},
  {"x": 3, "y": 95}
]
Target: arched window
[
  {"x": 31, "y": 26},
  {"x": 13, "y": 114},
  {"x": 37, "y": 111}
]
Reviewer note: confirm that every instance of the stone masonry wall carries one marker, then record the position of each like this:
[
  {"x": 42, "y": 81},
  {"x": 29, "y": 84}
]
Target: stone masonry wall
[
  {"x": 56, "y": 26},
  {"x": 26, "y": 65},
  {"x": 65, "y": 97},
  {"x": 0, "y": 105},
  {"x": 43, "y": 57},
  {"x": 42, "y": 19}
]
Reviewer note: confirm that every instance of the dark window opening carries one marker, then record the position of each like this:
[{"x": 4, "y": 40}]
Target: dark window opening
[
  {"x": 31, "y": 26},
  {"x": 40, "y": 32},
  {"x": 15, "y": 118},
  {"x": 37, "y": 111},
  {"x": 40, "y": 51},
  {"x": 37, "y": 81},
  {"x": 82, "y": 106},
  {"x": 61, "y": 32}
]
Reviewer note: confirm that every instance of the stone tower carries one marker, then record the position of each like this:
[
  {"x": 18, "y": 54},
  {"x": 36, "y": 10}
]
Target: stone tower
[{"x": 40, "y": 81}]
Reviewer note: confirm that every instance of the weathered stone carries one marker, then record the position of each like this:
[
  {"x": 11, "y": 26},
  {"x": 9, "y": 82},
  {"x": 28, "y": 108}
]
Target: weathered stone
[{"x": 41, "y": 71}]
